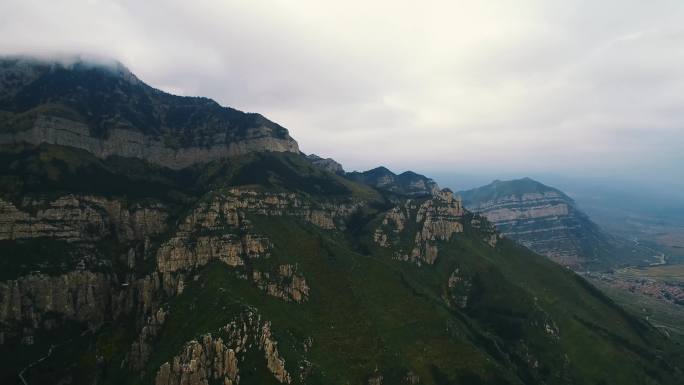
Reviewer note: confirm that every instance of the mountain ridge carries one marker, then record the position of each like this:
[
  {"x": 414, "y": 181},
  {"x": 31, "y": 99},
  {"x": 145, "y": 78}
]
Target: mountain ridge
[
  {"x": 407, "y": 183},
  {"x": 264, "y": 268}
]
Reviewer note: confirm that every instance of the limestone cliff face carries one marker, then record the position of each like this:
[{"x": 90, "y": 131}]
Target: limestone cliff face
[
  {"x": 540, "y": 218},
  {"x": 79, "y": 295},
  {"x": 429, "y": 222},
  {"x": 184, "y": 252},
  {"x": 41, "y": 302},
  {"x": 133, "y": 144},
  {"x": 228, "y": 209},
  {"x": 141, "y": 349},
  {"x": 107, "y": 111},
  {"x": 215, "y": 357},
  {"x": 286, "y": 283},
  {"x": 80, "y": 218},
  {"x": 83, "y": 288},
  {"x": 217, "y": 229}
]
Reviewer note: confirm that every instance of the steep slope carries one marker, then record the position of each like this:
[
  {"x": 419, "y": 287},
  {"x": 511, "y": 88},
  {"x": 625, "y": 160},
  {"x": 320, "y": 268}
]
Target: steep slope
[
  {"x": 548, "y": 221},
  {"x": 407, "y": 183},
  {"x": 264, "y": 269},
  {"x": 106, "y": 110},
  {"x": 326, "y": 164}
]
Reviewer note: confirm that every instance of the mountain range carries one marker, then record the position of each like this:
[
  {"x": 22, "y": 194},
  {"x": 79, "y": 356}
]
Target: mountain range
[{"x": 147, "y": 238}]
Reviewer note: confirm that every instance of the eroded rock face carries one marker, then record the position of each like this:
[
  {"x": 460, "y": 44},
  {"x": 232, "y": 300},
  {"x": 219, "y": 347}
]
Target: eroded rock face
[
  {"x": 141, "y": 349},
  {"x": 134, "y": 144},
  {"x": 538, "y": 217},
  {"x": 184, "y": 253},
  {"x": 82, "y": 296},
  {"x": 216, "y": 357},
  {"x": 39, "y": 301},
  {"x": 80, "y": 218},
  {"x": 208, "y": 359},
  {"x": 229, "y": 208},
  {"x": 436, "y": 219},
  {"x": 327, "y": 164},
  {"x": 217, "y": 229},
  {"x": 287, "y": 283}
]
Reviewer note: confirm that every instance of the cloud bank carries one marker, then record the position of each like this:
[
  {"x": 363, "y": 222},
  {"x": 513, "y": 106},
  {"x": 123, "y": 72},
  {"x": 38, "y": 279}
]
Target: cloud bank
[{"x": 578, "y": 87}]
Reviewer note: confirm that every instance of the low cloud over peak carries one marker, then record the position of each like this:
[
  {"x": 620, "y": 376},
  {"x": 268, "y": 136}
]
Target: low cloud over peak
[{"x": 520, "y": 86}]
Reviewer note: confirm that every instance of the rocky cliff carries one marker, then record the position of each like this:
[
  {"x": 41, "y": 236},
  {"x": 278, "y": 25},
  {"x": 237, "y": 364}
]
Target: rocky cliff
[
  {"x": 216, "y": 358},
  {"x": 427, "y": 222},
  {"x": 107, "y": 111},
  {"x": 550, "y": 223}
]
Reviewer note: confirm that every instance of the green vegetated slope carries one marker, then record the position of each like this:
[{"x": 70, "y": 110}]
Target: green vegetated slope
[{"x": 526, "y": 319}]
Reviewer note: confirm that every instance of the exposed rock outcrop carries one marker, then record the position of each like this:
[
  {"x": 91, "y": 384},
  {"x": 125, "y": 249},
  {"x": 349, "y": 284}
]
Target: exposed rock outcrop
[
  {"x": 229, "y": 208},
  {"x": 134, "y": 144},
  {"x": 141, "y": 349},
  {"x": 208, "y": 359},
  {"x": 39, "y": 301},
  {"x": 548, "y": 222},
  {"x": 82, "y": 296},
  {"x": 185, "y": 252},
  {"x": 216, "y": 357},
  {"x": 435, "y": 219},
  {"x": 223, "y": 216},
  {"x": 327, "y": 164},
  {"x": 80, "y": 218},
  {"x": 287, "y": 283}
]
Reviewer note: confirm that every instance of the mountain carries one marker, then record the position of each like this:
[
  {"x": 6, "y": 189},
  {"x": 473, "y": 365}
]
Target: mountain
[
  {"x": 407, "y": 183},
  {"x": 328, "y": 164},
  {"x": 549, "y": 222},
  {"x": 262, "y": 268},
  {"x": 106, "y": 110}
]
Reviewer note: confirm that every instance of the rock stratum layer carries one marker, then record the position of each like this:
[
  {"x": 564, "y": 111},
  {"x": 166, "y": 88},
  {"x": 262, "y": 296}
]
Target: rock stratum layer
[
  {"x": 548, "y": 222},
  {"x": 107, "y": 111}
]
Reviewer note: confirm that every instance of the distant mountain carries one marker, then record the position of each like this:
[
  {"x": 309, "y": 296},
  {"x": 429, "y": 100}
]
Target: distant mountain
[
  {"x": 106, "y": 110},
  {"x": 407, "y": 183},
  {"x": 327, "y": 164},
  {"x": 152, "y": 239},
  {"x": 549, "y": 222}
]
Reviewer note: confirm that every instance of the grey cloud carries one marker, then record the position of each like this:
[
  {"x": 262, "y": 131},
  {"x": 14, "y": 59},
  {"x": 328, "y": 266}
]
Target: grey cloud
[{"x": 519, "y": 86}]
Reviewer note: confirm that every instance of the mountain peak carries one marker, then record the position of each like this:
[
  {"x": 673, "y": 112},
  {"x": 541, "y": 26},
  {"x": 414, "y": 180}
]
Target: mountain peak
[
  {"x": 406, "y": 183},
  {"x": 547, "y": 221},
  {"x": 33, "y": 66},
  {"x": 99, "y": 106},
  {"x": 513, "y": 188}
]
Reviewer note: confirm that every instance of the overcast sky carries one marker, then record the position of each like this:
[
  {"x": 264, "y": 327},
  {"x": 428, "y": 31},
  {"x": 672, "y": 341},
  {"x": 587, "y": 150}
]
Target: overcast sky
[{"x": 569, "y": 87}]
